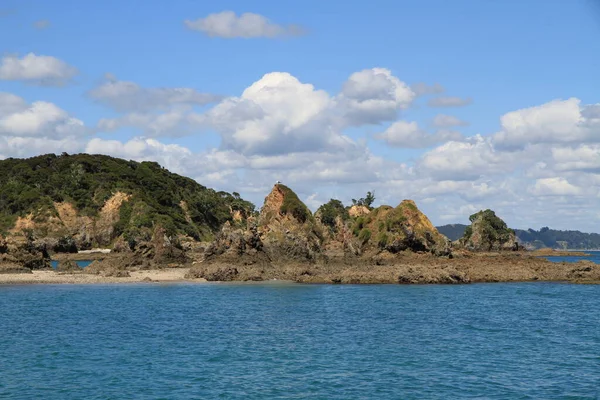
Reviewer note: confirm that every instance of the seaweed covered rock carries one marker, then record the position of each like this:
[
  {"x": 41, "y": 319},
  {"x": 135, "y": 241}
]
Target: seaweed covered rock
[
  {"x": 488, "y": 232},
  {"x": 401, "y": 228}
]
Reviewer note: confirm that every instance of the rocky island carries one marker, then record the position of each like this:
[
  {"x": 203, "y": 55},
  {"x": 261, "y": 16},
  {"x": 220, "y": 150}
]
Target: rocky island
[{"x": 153, "y": 225}]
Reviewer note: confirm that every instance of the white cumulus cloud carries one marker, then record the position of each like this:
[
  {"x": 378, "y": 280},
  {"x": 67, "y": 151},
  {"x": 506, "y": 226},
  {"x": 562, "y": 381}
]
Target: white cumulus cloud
[
  {"x": 466, "y": 160},
  {"x": 372, "y": 96},
  {"x": 559, "y": 121},
  {"x": 124, "y": 96},
  {"x": 557, "y": 186},
  {"x": 17, "y": 118},
  {"x": 34, "y": 69},
  {"x": 228, "y": 25},
  {"x": 277, "y": 114},
  {"x": 409, "y": 135}
]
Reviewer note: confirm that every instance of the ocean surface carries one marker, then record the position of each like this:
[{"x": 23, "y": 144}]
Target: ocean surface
[
  {"x": 81, "y": 263},
  {"x": 289, "y": 341},
  {"x": 593, "y": 256}
]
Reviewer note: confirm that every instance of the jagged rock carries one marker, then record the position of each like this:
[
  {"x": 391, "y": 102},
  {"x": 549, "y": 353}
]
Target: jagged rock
[
  {"x": 238, "y": 246},
  {"x": 159, "y": 252},
  {"x": 213, "y": 273},
  {"x": 285, "y": 231},
  {"x": 13, "y": 268},
  {"x": 69, "y": 266},
  {"x": 116, "y": 266},
  {"x": 488, "y": 232},
  {"x": 65, "y": 244},
  {"x": 166, "y": 250},
  {"x": 121, "y": 246},
  {"x": 412, "y": 275},
  {"x": 401, "y": 228},
  {"x": 29, "y": 252},
  {"x": 287, "y": 228},
  {"x": 358, "y": 211},
  {"x": 3, "y": 245},
  {"x": 11, "y": 265}
]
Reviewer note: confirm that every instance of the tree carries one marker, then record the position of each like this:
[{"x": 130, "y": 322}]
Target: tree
[
  {"x": 366, "y": 201},
  {"x": 369, "y": 199},
  {"x": 330, "y": 211}
]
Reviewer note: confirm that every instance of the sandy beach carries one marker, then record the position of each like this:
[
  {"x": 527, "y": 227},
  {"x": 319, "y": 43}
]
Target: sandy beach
[{"x": 52, "y": 277}]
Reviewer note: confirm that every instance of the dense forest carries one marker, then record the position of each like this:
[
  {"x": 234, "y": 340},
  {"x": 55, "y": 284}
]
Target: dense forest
[
  {"x": 545, "y": 237},
  {"x": 33, "y": 185}
]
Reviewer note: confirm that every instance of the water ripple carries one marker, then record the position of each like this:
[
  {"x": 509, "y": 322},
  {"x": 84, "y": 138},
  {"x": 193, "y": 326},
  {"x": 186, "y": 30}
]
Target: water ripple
[{"x": 485, "y": 341}]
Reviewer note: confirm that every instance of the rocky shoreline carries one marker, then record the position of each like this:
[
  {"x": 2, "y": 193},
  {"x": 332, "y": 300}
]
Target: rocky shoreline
[
  {"x": 403, "y": 269},
  {"x": 286, "y": 242}
]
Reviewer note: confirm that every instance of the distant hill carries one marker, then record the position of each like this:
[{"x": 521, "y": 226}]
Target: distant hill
[
  {"x": 545, "y": 237},
  {"x": 96, "y": 198},
  {"x": 452, "y": 231}
]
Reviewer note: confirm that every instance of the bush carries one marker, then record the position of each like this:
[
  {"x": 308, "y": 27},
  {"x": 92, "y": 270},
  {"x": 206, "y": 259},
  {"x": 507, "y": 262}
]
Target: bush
[
  {"x": 364, "y": 235},
  {"x": 382, "y": 240},
  {"x": 293, "y": 206},
  {"x": 358, "y": 226},
  {"x": 330, "y": 211}
]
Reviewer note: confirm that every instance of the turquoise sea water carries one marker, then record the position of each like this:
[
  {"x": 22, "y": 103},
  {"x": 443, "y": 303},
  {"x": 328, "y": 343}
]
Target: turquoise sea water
[
  {"x": 593, "y": 256},
  {"x": 287, "y": 341},
  {"x": 81, "y": 263}
]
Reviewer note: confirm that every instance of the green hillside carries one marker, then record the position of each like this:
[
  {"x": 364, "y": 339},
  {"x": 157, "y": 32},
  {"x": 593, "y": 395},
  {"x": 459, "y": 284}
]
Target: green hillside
[{"x": 34, "y": 185}]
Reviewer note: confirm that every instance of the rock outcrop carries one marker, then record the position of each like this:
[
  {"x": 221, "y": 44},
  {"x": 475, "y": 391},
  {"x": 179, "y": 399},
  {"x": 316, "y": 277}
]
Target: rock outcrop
[
  {"x": 237, "y": 246},
  {"x": 25, "y": 252},
  {"x": 358, "y": 211},
  {"x": 399, "y": 229},
  {"x": 287, "y": 228},
  {"x": 68, "y": 266},
  {"x": 488, "y": 232},
  {"x": 284, "y": 232},
  {"x": 159, "y": 252}
]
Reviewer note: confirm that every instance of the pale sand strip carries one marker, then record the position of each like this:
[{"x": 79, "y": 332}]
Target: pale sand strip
[{"x": 52, "y": 277}]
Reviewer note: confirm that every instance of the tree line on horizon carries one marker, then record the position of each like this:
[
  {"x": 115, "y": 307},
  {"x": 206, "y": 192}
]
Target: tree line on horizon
[{"x": 536, "y": 239}]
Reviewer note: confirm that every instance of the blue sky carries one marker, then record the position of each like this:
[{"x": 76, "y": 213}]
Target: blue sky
[{"x": 496, "y": 57}]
